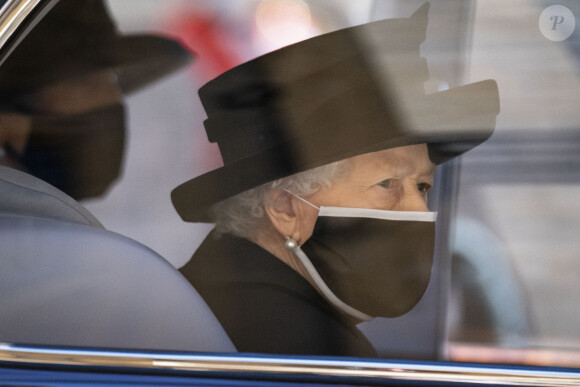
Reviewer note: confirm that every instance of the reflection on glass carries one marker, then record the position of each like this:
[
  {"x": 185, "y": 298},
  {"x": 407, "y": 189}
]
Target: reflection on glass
[
  {"x": 502, "y": 287},
  {"x": 63, "y": 119}
]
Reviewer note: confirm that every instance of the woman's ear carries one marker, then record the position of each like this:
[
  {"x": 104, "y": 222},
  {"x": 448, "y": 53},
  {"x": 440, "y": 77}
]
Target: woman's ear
[
  {"x": 282, "y": 212},
  {"x": 290, "y": 216}
]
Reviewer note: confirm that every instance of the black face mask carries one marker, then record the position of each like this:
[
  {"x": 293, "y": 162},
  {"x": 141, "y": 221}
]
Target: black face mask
[
  {"x": 370, "y": 263},
  {"x": 79, "y": 154}
]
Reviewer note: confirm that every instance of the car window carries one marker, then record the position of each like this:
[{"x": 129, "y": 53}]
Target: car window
[{"x": 150, "y": 95}]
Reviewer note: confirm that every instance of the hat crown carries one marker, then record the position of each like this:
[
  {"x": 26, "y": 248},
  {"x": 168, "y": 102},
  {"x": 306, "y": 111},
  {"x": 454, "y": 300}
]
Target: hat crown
[
  {"x": 335, "y": 96},
  {"x": 71, "y": 25},
  {"x": 78, "y": 37},
  {"x": 279, "y": 96}
]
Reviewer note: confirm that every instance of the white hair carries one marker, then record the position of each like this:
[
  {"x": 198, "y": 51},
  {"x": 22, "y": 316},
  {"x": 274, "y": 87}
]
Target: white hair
[{"x": 243, "y": 215}]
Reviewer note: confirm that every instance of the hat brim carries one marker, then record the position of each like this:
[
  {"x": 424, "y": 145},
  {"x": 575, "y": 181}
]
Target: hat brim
[
  {"x": 450, "y": 122},
  {"x": 144, "y": 59},
  {"x": 137, "y": 60}
]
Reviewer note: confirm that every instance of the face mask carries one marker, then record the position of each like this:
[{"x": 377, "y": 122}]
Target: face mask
[
  {"x": 79, "y": 154},
  {"x": 370, "y": 263}
]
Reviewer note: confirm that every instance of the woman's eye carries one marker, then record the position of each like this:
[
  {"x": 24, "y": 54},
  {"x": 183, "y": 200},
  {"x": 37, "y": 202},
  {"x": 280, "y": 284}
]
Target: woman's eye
[
  {"x": 386, "y": 183},
  {"x": 423, "y": 187}
]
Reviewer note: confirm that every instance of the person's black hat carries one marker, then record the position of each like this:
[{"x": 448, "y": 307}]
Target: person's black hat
[
  {"x": 78, "y": 37},
  {"x": 335, "y": 96}
]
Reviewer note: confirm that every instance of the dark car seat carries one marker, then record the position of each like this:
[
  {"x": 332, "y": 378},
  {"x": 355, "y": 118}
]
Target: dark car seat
[{"x": 65, "y": 280}]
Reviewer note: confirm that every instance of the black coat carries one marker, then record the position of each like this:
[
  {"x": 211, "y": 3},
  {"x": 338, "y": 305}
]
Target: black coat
[{"x": 267, "y": 307}]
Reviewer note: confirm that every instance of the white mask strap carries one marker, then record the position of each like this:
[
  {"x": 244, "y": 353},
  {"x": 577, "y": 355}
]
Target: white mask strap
[
  {"x": 327, "y": 293},
  {"x": 298, "y": 197}
]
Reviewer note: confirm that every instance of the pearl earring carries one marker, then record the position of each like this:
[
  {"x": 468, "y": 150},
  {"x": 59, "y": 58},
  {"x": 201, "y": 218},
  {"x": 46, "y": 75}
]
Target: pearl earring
[{"x": 290, "y": 244}]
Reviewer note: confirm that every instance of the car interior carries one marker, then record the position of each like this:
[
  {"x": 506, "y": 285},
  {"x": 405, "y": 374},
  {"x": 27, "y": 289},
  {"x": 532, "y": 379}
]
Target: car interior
[{"x": 67, "y": 281}]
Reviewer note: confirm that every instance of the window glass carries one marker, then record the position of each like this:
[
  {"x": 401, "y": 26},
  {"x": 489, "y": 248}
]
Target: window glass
[{"x": 503, "y": 282}]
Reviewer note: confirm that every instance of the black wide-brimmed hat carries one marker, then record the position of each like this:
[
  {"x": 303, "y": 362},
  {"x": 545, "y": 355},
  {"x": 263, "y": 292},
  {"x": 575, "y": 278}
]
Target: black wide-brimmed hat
[
  {"x": 78, "y": 37},
  {"x": 335, "y": 96}
]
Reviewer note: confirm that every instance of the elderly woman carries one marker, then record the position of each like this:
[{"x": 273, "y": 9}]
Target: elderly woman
[{"x": 320, "y": 210}]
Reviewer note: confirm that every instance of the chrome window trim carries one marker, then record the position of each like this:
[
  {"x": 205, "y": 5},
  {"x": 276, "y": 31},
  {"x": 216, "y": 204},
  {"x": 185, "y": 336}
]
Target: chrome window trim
[
  {"x": 263, "y": 366},
  {"x": 12, "y": 14}
]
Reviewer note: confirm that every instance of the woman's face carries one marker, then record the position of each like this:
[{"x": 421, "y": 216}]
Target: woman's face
[{"x": 396, "y": 179}]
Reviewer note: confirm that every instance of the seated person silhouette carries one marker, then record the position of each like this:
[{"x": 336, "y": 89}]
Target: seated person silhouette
[{"x": 62, "y": 117}]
